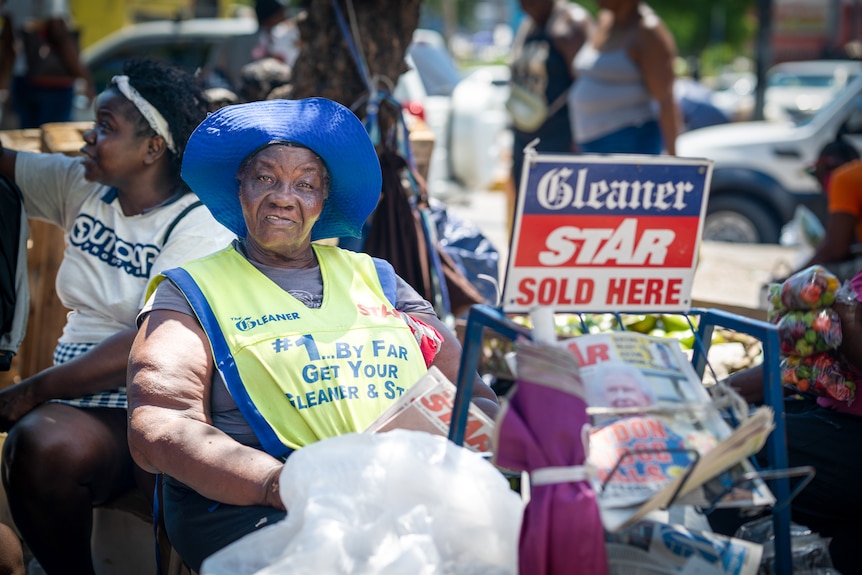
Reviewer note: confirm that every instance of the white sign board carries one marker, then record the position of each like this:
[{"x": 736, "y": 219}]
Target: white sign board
[{"x": 606, "y": 233}]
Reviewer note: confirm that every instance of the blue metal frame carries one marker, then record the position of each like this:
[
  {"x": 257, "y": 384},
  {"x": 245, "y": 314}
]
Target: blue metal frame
[{"x": 482, "y": 316}]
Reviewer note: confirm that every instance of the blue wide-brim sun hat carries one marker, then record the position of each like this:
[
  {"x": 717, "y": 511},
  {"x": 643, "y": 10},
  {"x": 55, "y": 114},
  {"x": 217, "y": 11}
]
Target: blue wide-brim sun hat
[{"x": 226, "y": 137}]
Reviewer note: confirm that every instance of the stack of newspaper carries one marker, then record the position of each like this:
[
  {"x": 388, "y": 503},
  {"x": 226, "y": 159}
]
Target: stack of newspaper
[
  {"x": 657, "y": 436},
  {"x": 427, "y": 406}
]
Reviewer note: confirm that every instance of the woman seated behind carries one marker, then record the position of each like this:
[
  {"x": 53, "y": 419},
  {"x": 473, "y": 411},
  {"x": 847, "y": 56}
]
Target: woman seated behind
[
  {"x": 276, "y": 342},
  {"x": 126, "y": 216},
  {"x": 839, "y": 171},
  {"x": 824, "y": 433}
]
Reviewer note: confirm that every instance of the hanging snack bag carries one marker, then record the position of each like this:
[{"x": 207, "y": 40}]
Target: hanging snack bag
[
  {"x": 811, "y": 288},
  {"x": 775, "y": 308},
  {"x": 821, "y": 374},
  {"x": 804, "y": 333}
]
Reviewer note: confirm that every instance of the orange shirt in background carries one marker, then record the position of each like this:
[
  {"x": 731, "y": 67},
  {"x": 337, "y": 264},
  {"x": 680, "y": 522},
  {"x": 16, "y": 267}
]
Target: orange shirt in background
[{"x": 845, "y": 193}]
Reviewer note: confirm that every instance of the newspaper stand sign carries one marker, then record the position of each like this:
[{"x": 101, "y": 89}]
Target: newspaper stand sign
[{"x": 606, "y": 233}]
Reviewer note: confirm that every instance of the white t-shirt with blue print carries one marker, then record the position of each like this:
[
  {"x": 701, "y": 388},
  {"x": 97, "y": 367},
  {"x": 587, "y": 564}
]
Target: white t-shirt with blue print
[{"x": 109, "y": 257}]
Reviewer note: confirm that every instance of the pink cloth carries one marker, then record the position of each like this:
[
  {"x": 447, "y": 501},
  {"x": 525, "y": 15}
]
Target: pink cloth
[
  {"x": 856, "y": 282},
  {"x": 855, "y": 408},
  {"x": 561, "y": 531}
]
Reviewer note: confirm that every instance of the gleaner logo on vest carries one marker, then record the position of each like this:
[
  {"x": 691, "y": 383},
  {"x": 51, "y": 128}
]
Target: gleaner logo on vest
[
  {"x": 606, "y": 233},
  {"x": 246, "y": 323}
]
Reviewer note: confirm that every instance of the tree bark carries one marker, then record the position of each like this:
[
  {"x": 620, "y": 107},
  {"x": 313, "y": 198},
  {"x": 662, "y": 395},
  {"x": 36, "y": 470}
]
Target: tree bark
[{"x": 381, "y": 34}]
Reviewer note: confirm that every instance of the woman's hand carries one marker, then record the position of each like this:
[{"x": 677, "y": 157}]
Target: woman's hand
[
  {"x": 272, "y": 493},
  {"x": 851, "y": 331},
  {"x": 16, "y": 401}
]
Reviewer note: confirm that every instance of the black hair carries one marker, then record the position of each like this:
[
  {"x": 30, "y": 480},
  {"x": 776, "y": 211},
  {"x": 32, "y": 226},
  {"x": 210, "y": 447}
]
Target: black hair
[
  {"x": 839, "y": 150},
  {"x": 176, "y": 94},
  {"x": 833, "y": 155},
  {"x": 266, "y": 9}
]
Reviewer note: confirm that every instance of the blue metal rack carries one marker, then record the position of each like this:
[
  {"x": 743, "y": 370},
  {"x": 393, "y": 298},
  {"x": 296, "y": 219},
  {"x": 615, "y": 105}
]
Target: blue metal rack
[{"x": 482, "y": 316}]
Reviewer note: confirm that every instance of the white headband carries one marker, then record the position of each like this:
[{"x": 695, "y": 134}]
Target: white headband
[{"x": 156, "y": 121}]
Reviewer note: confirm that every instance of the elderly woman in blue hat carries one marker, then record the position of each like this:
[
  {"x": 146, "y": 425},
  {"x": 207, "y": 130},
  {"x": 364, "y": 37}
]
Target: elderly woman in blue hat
[{"x": 277, "y": 341}]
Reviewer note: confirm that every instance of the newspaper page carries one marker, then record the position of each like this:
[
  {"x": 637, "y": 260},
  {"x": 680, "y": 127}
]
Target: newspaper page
[
  {"x": 651, "y": 547},
  {"x": 657, "y": 437},
  {"x": 427, "y": 406}
]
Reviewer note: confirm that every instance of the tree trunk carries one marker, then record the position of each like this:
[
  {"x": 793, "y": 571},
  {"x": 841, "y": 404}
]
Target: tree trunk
[{"x": 326, "y": 66}]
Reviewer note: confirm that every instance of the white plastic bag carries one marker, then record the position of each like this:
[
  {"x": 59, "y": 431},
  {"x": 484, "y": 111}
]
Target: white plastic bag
[
  {"x": 805, "y": 229},
  {"x": 401, "y": 502}
]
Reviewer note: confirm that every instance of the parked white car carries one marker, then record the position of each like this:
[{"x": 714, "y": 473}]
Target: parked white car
[
  {"x": 761, "y": 168},
  {"x": 466, "y": 114},
  {"x": 196, "y": 44},
  {"x": 796, "y": 90}
]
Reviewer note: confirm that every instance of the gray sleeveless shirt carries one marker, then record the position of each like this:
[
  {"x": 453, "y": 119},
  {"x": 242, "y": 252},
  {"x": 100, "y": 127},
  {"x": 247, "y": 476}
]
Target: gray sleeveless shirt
[{"x": 609, "y": 94}]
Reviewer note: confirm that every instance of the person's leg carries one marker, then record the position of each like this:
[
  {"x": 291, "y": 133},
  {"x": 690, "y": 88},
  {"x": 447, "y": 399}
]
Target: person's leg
[
  {"x": 54, "y": 105},
  {"x": 23, "y": 103},
  {"x": 59, "y": 462},
  {"x": 11, "y": 552}
]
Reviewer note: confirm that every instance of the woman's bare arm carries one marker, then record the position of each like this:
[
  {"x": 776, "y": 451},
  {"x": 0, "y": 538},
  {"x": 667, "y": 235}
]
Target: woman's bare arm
[
  {"x": 654, "y": 52},
  {"x": 835, "y": 246},
  {"x": 170, "y": 427}
]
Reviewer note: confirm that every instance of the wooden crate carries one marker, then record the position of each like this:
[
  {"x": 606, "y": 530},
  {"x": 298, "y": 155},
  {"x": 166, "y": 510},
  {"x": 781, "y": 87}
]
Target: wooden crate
[
  {"x": 65, "y": 137},
  {"x": 421, "y": 144},
  {"x": 26, "y": 140}
]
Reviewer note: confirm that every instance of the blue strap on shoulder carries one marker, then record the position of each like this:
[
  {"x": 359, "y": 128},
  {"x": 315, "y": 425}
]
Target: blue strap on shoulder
[
  {"x": 225, "y": 363},
  {"x": 386, "y": 274}
]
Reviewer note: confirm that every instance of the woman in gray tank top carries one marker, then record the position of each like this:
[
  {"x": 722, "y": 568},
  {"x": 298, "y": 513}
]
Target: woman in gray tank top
[{"x": 625, "y": 66}]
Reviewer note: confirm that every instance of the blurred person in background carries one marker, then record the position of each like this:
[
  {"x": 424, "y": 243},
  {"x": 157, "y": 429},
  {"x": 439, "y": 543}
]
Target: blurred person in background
[
  {"x": 278, "y": 36},
  {"x": 626, "y": 66},
  {"x": 218, "y": 98},
  {"x": 839, "y": 171},
  {"x": 549, "y": 36},
  {"x": 40, "y": 61},
  {"x": 260, "y": 77}
]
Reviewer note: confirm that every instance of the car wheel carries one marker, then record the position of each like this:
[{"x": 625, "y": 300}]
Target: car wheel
[{"x": 736, "y": 219}]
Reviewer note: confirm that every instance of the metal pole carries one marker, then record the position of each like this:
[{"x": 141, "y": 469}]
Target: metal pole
[
  {"x": 857, "y": 15},
  {"x": 763, "y": 57},
  {"x": 450, "y": 17},
  {"x": 833, "y": 29}
]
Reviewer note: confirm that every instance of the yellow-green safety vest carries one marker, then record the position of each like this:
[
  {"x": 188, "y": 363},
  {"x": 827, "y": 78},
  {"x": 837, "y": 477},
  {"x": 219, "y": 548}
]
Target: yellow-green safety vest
[{"x": 299, "y": 375}]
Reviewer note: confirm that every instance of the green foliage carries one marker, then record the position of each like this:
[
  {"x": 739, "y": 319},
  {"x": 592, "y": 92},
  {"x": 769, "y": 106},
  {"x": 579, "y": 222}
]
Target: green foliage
[
  {"x": 465, "y": 10},
  {"x": 699, "y": 25},
  {"x": 714, "y": 31}
]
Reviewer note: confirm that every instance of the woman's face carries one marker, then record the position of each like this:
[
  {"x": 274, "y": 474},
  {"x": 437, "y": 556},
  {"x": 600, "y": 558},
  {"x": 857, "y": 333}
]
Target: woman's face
[
  {"x": 114, "y": 151},
  {"x": 282, "y": 190}
]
